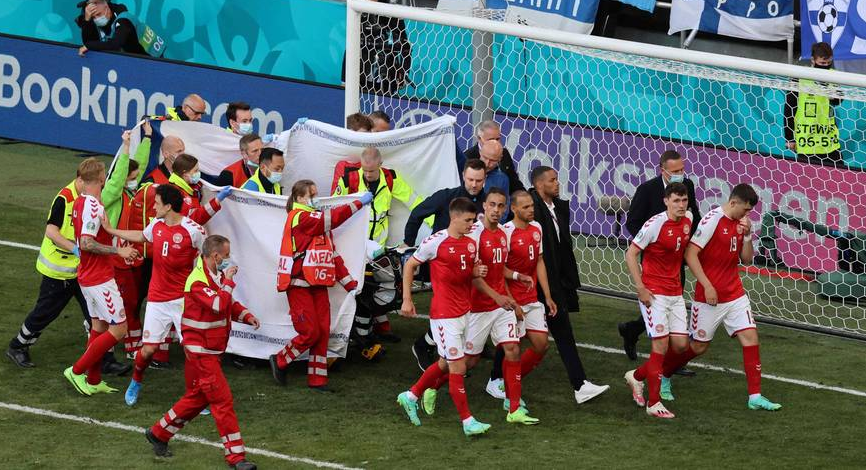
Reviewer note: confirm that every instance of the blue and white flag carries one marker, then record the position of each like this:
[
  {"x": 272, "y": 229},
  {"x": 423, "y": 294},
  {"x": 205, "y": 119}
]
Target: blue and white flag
[
  {"x": 763, "y": 20},
  {"x": 574, "y": 16},
  {"x": 646, "y": 5},
  {"x": 840, "y": 23}
]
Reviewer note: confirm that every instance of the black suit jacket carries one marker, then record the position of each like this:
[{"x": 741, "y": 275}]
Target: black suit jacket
[
  {"x": 562, "y": 274},
  {"x": 648, "y": 200}
]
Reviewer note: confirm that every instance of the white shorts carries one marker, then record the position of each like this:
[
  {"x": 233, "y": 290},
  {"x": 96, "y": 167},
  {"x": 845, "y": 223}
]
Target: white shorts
[
  {"x": 666, "y": 316},
  {"x": 158, "y": 318},
  {"x": 706, "y": 318},
  {"x": 450, "y": 335},
  {"x": 500, "y": 325},
  {"x": 105, "y": 303},
  {"x": 533, "y": 319}
]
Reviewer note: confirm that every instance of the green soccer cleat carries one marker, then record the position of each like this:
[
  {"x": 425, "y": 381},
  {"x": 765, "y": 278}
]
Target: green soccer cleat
[
  {"x": 761, "y": 403},
  {"x": 77, "y": 381},
  {"x": 101, "y": 387},
  {"x": 521, "y": 416},
  {"x": 410, "y": 406},
  {"x": 506, "y": 405},
  {"x": 665, "y": 391},
  {"x": 475, "y": 427},
  {"x": 428, "y": 401}
]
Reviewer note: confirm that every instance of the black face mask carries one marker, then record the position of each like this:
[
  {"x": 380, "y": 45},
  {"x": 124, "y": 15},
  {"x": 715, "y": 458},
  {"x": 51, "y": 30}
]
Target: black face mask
[{"x": 825, "y": 67}]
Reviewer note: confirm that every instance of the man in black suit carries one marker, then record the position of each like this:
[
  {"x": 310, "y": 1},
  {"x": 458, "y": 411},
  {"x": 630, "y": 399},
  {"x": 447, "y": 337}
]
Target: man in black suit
[
  {"x": 648, "y": 200},
  {"x": 485, "y": 132}
]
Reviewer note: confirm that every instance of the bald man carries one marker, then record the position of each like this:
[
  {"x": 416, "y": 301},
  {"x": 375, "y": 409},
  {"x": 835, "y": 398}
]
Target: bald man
[{"x": 169, "y": 149}]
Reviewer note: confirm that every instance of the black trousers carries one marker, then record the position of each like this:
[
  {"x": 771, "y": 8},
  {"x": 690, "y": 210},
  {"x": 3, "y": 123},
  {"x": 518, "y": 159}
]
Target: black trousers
[
  {"x": 563, "y": 335},
  {"x": 54, "y": 294}
]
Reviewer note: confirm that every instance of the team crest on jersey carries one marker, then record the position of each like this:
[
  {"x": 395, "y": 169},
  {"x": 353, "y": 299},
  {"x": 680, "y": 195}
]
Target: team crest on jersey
[
  {"x": 177, "y": 238},
  {"x": 502, "y": 241},
  {"x": 687, "y": 229},
  {"x": 536, "y": 236},
  {"x": 471, "y": 248},
  {"x": 660, "y": 328}
]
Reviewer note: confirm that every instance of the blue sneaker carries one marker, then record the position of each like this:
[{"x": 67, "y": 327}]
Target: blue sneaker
[
  {"x": 665, "y": 391},
  {"x": 410, "y": 406},
  {"x": 761, "y": 403},
  {"x": 131, "y": 396},
  {"x": 205, "y": 412},
  {"x": 473, "y": 427}
]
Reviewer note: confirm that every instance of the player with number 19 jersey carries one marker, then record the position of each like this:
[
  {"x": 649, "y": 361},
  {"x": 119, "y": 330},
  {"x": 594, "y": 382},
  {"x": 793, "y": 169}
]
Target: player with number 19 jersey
[
  {"x": 720, "y": 239},
  {"x": 451, "y": 263}
]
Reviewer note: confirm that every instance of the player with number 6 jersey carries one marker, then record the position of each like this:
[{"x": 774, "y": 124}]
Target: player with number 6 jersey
[{"x": 661, "y": 243}]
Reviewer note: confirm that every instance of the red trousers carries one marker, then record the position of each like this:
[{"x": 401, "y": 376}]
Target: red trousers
[
  {"x": 205, "y": 386},
  {"x": 128, "y": 281},
  {"x": 311, "y": 317}
]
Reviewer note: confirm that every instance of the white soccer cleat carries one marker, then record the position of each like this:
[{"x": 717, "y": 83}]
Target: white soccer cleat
[
  {"x": 496, "y": 388},
  {"x": 636, "y": 387},
  {"x": 589, "y": 391},
  {"x": 659, "y": 411}
]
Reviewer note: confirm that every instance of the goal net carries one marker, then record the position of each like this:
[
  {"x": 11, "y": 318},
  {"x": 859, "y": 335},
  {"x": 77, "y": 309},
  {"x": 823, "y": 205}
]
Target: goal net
[{"x": 602, "y": 116}]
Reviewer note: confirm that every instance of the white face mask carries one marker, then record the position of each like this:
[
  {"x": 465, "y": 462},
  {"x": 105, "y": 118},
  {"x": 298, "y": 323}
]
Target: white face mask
[
  {"x": 245, "y": 128},
  {"x": 100, "y": 21},
  {"x": 132, "y": 185}
]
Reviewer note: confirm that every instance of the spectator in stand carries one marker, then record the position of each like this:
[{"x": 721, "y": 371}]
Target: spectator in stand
[
  {"x": 170, "y": 148},
  {"x": 359, "y": 123},
  {"x": 240, "y": 117},
  {"x": 240, "y": 171},
  {"x": 106, "y": 26},
  {"x": 381, "y": 121},
  {"x": 267, "y": 178},
  {"x": 488, "y": 131},
  {"x": 810, "y": 120}
]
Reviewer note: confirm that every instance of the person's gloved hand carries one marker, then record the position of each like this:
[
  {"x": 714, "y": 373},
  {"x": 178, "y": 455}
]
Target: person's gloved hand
[
  {"x": 366, "y": 198},
  {"x": 76, "y": 251},
  {"x": 224, "y": 193},
  {"x": 268, "y": 138}
]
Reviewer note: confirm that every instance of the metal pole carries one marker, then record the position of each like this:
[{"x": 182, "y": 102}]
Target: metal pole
[
  {"x": 353, "y": 60},
  {"x": 791, "y": 50},
  {"x": 482, "y": 75}
]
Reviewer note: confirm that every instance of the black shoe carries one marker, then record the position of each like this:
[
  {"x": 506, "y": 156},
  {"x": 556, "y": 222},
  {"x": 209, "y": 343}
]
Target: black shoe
[
  {"x": 160, "y": 448},
  {"x": 244, "y": 465},
  {"x": 116, "y": 368},
  {"x": 388, "y": 337},
  {"x": 426, "y": 355},
  {"x": 685, "y": 372},
  {"x": 321, "y": 389},
  {"x": 629, "y": 341},
  {"x": 279, "y": 374},
  {"x": 20, "y": 356},
  {"x": 161, "y": 365}
]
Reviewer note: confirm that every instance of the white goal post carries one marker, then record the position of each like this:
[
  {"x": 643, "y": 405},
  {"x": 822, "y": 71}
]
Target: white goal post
[{"x": 602, "y": 110}]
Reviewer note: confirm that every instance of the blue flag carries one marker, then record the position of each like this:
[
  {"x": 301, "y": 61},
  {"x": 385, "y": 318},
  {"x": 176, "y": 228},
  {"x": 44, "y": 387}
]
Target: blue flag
[
  {"x": 576, "y": 16},
  {"x": 763, "y": 20},
  {"x": 840, "y": 23}
]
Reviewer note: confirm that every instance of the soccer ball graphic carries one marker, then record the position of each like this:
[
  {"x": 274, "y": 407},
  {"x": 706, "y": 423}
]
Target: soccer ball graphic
[{"x": 828, "y": 17}]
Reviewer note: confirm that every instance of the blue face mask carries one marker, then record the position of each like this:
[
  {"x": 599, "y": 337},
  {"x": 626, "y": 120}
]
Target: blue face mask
[
  {"x": 195, "y": 177},
  {"x": 245, "y": 128},
  {"x": 677, "y": 178},
  {"x": 101, "y": 21},
  {"x": 224, "y": 264},
  {"x": 275, "y": 177}
]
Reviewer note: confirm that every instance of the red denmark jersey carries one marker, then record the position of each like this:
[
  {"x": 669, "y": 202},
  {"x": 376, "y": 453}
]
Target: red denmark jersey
[
  {"x": 451, "y": 262},
  {"x": 493, "y": 253},
  {"x": 720, "y": 239},
  {"x": 663, "y": 243},
  {"x": 524, "y": 250},
  {"x": 87, "y": 214},
  {"x": 175, "y": 249}
]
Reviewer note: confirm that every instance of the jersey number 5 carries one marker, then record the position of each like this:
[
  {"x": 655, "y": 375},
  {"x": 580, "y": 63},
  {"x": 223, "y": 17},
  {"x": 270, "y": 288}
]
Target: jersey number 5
[{"x": 462, "y": 262}]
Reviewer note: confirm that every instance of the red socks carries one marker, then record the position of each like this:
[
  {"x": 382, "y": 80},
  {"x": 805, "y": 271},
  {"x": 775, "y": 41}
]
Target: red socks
[
  {"x": 428, "y": 380},
  {"x": 458, "y": 395},
  {"x": 95, "y": 350},
  {"x": 674, "y": 360},
  {"x": 94, "y": 373},
  {"x": 442, "y": 380},
  {"x": 512, "y": 372},
  {"x": 752, "y": 367},
  {"x": 141, "y": 365},
  {"x": 529, "y": 360},
  {"x": 653, "y": 368}
]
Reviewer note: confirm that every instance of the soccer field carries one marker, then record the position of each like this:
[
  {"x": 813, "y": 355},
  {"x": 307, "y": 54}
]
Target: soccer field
[{"x": 362, "y": 427}]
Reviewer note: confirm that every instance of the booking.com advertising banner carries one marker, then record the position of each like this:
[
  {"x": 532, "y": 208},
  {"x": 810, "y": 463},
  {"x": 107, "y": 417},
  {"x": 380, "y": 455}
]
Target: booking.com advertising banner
[
  {"x": 610, "y": 163},
  {"x": 50, "y": 95}
]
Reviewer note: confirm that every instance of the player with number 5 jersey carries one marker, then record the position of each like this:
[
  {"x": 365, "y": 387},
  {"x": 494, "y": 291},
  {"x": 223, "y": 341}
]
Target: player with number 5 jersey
[{"x": 721, "y": 241}]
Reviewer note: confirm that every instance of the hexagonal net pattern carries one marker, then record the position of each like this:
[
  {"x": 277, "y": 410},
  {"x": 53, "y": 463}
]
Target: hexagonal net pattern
[{"x": 602, "y": 119}]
